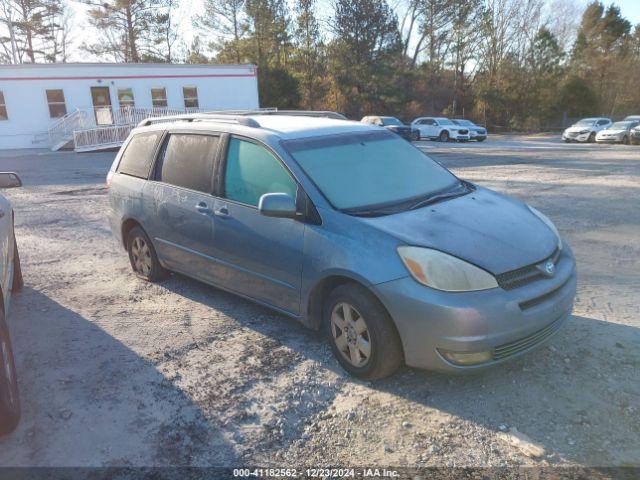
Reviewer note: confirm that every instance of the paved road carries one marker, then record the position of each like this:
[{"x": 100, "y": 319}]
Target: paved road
[{"x": 114, "y": 371}]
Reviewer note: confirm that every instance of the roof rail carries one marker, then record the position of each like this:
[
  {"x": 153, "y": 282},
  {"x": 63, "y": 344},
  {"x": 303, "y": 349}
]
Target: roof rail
[
  {"x": 299, "y": 113},
  {"x": 220, "y": 117}
]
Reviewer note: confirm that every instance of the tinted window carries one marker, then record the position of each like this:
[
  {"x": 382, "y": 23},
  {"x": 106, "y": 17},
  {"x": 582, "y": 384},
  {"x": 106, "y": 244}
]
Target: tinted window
[
  {"x": 188, "y": 161},
  {"x": 603, "y": 122},
  {"x": 253, "y": 171},
  {"x": 138, "y": 156}
]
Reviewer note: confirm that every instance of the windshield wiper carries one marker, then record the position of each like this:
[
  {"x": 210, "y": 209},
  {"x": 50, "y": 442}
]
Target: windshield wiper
[{"x": 438, "y": 197}]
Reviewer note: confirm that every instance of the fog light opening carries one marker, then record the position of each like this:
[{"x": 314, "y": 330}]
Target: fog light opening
[{"x": 467, "y": 358}]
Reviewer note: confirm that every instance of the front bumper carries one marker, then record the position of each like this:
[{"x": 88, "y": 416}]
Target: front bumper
[
  {"x": 460, "y": 137},
  {"x": 572, "y": 137},
  {"x": 613, "y": 139},
  {"x": 507, "y": 323}
]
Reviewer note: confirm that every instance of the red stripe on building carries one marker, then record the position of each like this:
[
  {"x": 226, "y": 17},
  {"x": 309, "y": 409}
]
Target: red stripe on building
[{"x": 121, "y": 77}]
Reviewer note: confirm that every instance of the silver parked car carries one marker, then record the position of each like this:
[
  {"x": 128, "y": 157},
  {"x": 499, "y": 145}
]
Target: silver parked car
[
  {"x": 619, "y": 132},
  {"x": 347, "y": 227},
  {"x": 476, "y": 132},
  {"x": 10, "y": 282}
]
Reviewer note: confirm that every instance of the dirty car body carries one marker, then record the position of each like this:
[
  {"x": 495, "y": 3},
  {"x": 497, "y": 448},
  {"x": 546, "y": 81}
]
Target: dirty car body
[{"x": 292, "y": 264}]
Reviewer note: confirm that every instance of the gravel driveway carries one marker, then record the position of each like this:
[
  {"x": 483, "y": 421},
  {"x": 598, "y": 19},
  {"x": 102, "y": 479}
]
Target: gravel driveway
[{"x": 117, "y": 372}]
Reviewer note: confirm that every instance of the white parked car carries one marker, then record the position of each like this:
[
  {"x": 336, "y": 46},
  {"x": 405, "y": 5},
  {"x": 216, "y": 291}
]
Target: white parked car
[
  {"x": 632, "y": 118},
  {"x": 10, "y": 281},
  {"x": 586, "y": 129},
  {"x": 619, "y": 132},
  {"x": 440, "y": 128},
  {"x": 476, "y": 132}
]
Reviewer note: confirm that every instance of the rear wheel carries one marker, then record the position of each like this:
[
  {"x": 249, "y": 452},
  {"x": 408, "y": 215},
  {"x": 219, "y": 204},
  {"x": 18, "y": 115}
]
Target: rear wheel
[
  {"x": 142, "y": 256},
  {"x": 444, "y": 136},
  {"x": 9, "y": 399},
  {"x": 361, "y": 333}
]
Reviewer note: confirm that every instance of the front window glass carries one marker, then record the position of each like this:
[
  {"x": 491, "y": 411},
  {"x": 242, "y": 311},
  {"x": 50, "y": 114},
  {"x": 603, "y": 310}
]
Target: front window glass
[
  {"x": 620, "y": 125},
  {"x": 391, "y": 121},
  {"x": 359, "y": 170},
  {"x": 253, "y": 171}
]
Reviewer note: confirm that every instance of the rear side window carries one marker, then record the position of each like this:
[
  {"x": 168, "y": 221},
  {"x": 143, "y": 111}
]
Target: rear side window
[
  {"x": 253, "y": 171},
  {"x": 188, "y": 161},
  {"x": 138, "y": 156}
]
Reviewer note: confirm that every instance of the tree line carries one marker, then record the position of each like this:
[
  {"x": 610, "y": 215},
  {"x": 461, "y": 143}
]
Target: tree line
[{"x": 517, "y": 64}]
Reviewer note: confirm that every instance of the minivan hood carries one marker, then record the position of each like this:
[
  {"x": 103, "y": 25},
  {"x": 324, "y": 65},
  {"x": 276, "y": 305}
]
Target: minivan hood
[{"x": 488, "y": 229}]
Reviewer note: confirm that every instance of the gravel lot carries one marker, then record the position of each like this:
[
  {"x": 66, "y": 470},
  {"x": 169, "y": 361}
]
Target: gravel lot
[{"x": 117, "y": 372}]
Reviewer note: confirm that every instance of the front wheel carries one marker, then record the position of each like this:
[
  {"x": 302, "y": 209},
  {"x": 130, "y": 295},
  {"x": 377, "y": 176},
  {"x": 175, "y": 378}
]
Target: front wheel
[
  {"x": 444, "y": 136},
  {"x": 142, "y": 256},
  {"x": 9, "y": 399},
  {"x": 362, "y": 335},
  {"x": 625, "y": 140},
  {"x": 592, "y": 137}
]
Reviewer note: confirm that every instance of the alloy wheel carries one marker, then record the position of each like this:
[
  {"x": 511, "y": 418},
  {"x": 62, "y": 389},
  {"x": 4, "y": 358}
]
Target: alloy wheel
[
  {"x": 350, "y": 334},
  {"x": 141, "y": 256}
]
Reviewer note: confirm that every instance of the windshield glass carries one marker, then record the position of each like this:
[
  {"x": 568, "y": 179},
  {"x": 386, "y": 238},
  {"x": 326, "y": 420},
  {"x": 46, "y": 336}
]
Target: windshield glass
[
  {"x": 367, "y": 170},
  {"x": 465, "y": 123},
  {"x": 586, "y": 122},
  {"x": 390, "y": 121},
  {"x": 620, "y": 126},
  {"x": 444, "y": 121}
]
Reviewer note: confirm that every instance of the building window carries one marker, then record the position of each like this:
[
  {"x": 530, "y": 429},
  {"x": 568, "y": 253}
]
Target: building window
[
  {"x": 3, "y": 108},
  {"x": 57, "y": 107},
  {"x": 125, "y": 97},
  {"x": 159, "y": 97},
  {"x": 190, "y": 95}
]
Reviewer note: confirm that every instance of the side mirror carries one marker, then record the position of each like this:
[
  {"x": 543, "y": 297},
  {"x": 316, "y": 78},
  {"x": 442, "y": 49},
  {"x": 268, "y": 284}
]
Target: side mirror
[
  {"x": 9, "y": 180},
  {"x": 279, "y": 205}
]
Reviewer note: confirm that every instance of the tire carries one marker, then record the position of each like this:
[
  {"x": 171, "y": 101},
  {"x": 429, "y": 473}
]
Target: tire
[
  {"x": 18, "y": 281},
  {"x": 592, "y": 137},
  {"x": 9, "y": 397},
  {"x": 385, "y": 349},
  {"x": 480, "y": 139},
  {"x": 142, "y": 256},
  {"x": 625, "y": 140},
  {"x": 444, "y": 136}
]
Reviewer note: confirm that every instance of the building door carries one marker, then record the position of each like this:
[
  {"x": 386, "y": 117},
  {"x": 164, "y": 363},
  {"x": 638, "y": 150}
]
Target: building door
[{"x": 102, "y": 105}]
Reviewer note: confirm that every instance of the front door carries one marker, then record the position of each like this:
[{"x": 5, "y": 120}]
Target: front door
[
  {"x": 261, "y": 256},
  {"x": 102, "y": 105}
]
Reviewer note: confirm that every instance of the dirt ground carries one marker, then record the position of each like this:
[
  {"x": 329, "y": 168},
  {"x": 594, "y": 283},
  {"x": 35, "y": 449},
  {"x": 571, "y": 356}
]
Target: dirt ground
[{"x": 114, "y": 371}]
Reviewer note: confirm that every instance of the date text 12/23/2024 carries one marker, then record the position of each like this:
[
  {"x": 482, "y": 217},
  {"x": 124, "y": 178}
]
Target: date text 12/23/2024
[{"x": 315, "y": 473}]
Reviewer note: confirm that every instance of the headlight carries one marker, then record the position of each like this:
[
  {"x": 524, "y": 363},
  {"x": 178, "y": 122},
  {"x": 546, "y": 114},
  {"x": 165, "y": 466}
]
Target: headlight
[
  {"x": 548, "y": 223},
  {"x": 444, "y": 272}
]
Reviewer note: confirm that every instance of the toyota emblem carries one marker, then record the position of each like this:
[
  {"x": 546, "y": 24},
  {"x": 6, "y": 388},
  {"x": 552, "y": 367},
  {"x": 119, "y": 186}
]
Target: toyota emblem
[{"x": 550, "y": 268}]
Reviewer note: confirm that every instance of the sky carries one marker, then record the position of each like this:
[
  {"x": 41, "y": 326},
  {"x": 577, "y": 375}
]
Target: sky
[{"x": 630, "y": 9}]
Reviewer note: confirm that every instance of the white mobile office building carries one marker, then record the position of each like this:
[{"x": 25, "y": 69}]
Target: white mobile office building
[{"x": 95, "y": 105}]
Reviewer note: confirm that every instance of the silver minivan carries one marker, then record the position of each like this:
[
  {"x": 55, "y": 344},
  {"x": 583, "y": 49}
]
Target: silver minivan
[{"x": 345, "y": 227}]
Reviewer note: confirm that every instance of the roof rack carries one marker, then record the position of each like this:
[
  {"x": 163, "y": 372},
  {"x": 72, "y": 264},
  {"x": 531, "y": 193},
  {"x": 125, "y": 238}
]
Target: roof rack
[{"x": 239, "y": 117}]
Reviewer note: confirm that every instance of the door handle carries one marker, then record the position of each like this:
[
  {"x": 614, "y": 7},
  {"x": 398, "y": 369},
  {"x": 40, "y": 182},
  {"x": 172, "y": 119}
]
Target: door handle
[
  {"x": 203, "y": 208},
  {"x": 222, "y": 212}
]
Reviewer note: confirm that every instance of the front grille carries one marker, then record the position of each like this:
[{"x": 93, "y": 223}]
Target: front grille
[
  {"x": 572, "y": 134},
  {"x": 525, "y": 275},
  {"x": 512, "y": 348},
  {"x": 463, "y": 132}
]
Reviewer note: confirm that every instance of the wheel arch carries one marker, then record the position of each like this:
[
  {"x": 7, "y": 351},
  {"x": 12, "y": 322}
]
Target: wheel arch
[{"x": 128, "y": 225}]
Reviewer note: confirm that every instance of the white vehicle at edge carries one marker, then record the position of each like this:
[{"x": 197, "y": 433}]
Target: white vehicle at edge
[
  {"x": 440, "y": 128},
  {"x": 619, "y": 132},
  {"x": 586, "y": 129}
]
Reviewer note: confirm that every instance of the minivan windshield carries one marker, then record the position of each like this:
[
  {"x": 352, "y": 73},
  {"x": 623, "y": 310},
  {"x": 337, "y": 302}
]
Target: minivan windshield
[{"x": 372, "y": 172}]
